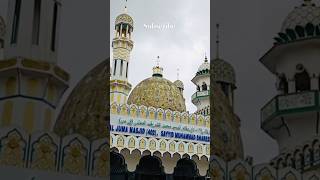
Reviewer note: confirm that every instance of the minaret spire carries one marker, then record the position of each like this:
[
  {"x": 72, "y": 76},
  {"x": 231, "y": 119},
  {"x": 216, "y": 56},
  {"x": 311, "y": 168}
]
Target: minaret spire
[
  {"x": 205, "y": 57},
  {"x": 217, "y": 41},
  {"x": 158, "y": 61},
  {"x": 125, "y": 7},
  {"x": 177, "y": 73}
]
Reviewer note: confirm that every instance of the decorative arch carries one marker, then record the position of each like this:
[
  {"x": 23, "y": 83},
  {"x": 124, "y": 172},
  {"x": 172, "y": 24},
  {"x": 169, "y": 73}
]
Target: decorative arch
[
  {"x": 152, "y": 144},
  {"x": 74, "y": 157},
  {"x": 152, "y": 113},
  {"x": 120, "y": 141},
  {"x": 118, "y": 165},
  {"x": 13, "y": 149},
  {"x": 204, "y": 86},
  {"x": 143, "y": 112},
  {"x": 172, "y": 146},
  {"x": 131, "y": 142},
  {"x": 186, "y": 168},
  {"x": 160, "y": 114},
  {"x": 190, "y": 148},
  {"x": 149, "y": 166},
  {"x": 44, "y": 153},
  {"x": 114, "y": 108},
  {"x": 302, "y": 79},
  {"x": 163, "y": 145},
  {"x": 133, "y": 110},
  {"x": 168, "y": 115},
  {"x": 142, "y": 143}
]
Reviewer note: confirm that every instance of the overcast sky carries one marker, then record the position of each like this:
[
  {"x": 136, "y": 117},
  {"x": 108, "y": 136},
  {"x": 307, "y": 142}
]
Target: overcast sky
[
  {"x": 183, "y": 46},
  {"x": 247, "y": 31}
]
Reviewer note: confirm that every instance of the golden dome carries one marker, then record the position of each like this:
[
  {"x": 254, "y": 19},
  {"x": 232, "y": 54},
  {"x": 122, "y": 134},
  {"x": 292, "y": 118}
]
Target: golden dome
[
  {"x": 124, "y": 18},
  {"x": 84, "y": 112},
  {"x": 157, "y": 92}
]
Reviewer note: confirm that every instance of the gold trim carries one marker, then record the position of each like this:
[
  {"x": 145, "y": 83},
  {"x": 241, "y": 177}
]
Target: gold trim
[
  {"x": 7, "y": 63},
  {"x": 35, "y": 64},
  {"x": 61, "y": 73}
]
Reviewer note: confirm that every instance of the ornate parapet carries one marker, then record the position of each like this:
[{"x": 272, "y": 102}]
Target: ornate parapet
[
  {"x": 241, "y": 170},
  {"x": 302, "y": 158},
  {"x": 290, "y": 103},
  {"x": 151, "y": 113},
  {"x": 46, "y": 151},
  {"x": 151, "y": 130}
]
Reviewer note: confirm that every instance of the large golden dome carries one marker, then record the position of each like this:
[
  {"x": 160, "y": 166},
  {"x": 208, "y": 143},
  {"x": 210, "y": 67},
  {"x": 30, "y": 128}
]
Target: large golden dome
[
  {"x": 158, "y": 92},
  {"x": 85, "y": 110}
]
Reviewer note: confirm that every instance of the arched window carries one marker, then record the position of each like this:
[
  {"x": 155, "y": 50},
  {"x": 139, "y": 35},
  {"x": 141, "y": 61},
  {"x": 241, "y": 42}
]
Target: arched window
[
  {"x": 302, "y": 80},
  {"x": 283, "y": 84},
  {"x": 15, "y": 24},
  {"x": 198, "y": 88},
  {"x": 36, "y": 22},
  {"x": 54, "y": 27},
  {"x": 225, "y": 88},
  {"x": 204, "y": 86}
]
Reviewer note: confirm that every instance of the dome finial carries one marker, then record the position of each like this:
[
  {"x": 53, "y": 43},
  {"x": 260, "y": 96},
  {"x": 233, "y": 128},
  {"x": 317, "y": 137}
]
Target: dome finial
[
  {"x": 217, "y": 41},
  {"x": 125, "y": 7},
  {"x": 158, "y": 60},
  {"x": 205, "y": 57},
  {"x": 157, "y": 70},
  {"x": 177, "y": 73}
]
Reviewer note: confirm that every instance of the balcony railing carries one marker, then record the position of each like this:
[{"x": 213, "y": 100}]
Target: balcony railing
[
  {"x": 290, "y": 103},
  {"x": 200, "y": 94}
]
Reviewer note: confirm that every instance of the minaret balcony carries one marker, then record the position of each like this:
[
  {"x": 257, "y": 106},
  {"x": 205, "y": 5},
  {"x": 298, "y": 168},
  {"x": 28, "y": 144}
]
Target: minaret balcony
[
  {"x": 200, "y": 94},
  {"x": 288, "y": 105}
]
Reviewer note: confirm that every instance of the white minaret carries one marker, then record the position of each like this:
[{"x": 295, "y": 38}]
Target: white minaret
[
  {"x": 122, "y": 45},
  {"x": 292, "y": 117},
  {"x": 223, "y": 73},
  {"x": 202, "y": 81},
  {"x": 31, "y": 82}
]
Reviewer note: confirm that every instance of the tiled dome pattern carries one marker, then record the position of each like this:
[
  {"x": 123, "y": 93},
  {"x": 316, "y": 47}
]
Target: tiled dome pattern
[
  {"x": 124, "y": 18},
  {"x": 308, "y": 12},
  {"x": 179, "y": 84},
  {"x": 157, "y": 92},
  {"x": 223, "y": 71}
]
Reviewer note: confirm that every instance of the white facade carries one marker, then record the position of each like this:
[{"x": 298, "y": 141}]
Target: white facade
[
  {"x": 31, "y": 82},
  {"x": 34, "y": 30}
]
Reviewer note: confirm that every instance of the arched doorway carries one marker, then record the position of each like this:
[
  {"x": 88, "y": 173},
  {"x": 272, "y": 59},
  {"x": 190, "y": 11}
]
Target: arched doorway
[
  {"x": 118, "y": 167},
  {"x": 186, "y": 169},
  {"x": 302, "y": 79},
  {"x": 150, "y": 168}
]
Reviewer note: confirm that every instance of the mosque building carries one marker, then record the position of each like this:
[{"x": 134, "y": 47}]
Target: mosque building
[{"x": 152, "y": 134}]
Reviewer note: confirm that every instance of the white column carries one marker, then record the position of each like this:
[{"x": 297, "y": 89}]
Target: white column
[
  {"x": 314, "y": 83},
  {"x": 121, "y": 30},
  {"x": 291, "y": 86},
  {"x": 127, "y": 32}
]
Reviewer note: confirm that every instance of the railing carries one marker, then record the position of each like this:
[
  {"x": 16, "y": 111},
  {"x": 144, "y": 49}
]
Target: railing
[
  {"x": 290, "y": 103},
  {"x": 200, "y": 94}
]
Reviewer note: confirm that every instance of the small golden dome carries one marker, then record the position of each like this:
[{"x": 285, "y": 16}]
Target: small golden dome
[
  {"x": 157, "y": 92},
  {"x": 124, "y": 18}
]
